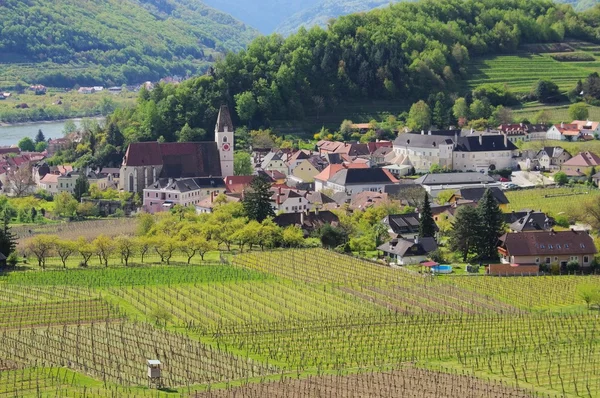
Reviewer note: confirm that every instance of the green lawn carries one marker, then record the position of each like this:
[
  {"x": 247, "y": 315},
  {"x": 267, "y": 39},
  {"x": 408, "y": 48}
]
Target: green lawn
[{"x": 551, "y": 200}]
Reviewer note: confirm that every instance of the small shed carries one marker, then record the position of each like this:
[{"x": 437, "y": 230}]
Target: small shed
[{"x": 154, "y": 367}]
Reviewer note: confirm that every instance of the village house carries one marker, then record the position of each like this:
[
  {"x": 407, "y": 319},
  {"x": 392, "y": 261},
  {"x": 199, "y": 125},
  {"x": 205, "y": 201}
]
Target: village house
[
  {"x": 49, "y": 183},
  {"x": 587, "y": 128},
  {"x": 308, "y": 221},
  {"x": 552, "y": 158},
  {"x": 165, "y": 192},
  {"x": 306, "y": 170},
  {"x": 38, "y": 89},
  {"x": 402, "y": 251},
  {"x": 238, "y": 184},
  {"x": 529, "y": 221},
  {"x": 563, "y": 132},
  {"x": 331, "y": 170},
  {"x": 208, "y": 204},
  {"x": 523, "y": 132},
  {"x": 275, "y": 161},
  {"x": 366, "y": 199},
  {"x": 474, "y": 195},
  {"x": 380, "y": 155},
  {"x": 549, "y": 247},
  {"x": 320, "y": 201},
  {"x": 296, "y": 158},
  {"x": 435, "y": 183},
  {"x": 289, "y": 201},
  {"x": 403, "y": 225},
  {"x": 581, "y": 164},
  {"x": 345, "y": 148},
  {"x": 354, "y": 180}
]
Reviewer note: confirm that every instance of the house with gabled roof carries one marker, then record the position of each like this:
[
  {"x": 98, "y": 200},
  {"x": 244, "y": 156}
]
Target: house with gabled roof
[
  {"x": 529, "y": 221},
  {"x": 587, "y": 127},
  {"x": 403, "y": 225},
  {"x": 333, "y": 168},
  {"x": 402, "y": 251},
  {"x": 307, "y": 169},
  {"x": 435, "y": 183},
  {"x": 475, "y": 194},
  {"x": 308, "y": 221},
  {"x": 523, "y": 131},
  {"x": 483, "y": 153},
  {"x": 287, "y": 200},
  {"x": 564, "y": 132},
  {"x": 421, "y": 151},
  {"x": 165, "y": 193},
  {"x": 581, "y": 164},
  {"x": 548, "y": 247},
  {"x": 552, "y": 157},
  {"x": 355, "y": 180}
]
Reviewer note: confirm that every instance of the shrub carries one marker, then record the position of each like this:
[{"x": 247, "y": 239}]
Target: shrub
[
  {"x": 555, "y": 269},
  {"x": 573, "y": 57},
  {"x": 572, "y": 266},
  {"x": 12, "y": 260},
  {"x": 437, "y": 256}
]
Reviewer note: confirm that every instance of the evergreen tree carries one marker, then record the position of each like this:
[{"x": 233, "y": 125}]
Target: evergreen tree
[
  {"x": 590, "y": 179},
  {"x": 257, "y": 204},
  {"x": 491, "y": 226},
  {"x": 426, "y": 223},
  {"x": 39, "y": 137},
  {"x": 114, "y": 136},
  {"x": 82, "y": 186},
  {"x": 8, "y": 242},
  {"x": 465, "y": 231}
]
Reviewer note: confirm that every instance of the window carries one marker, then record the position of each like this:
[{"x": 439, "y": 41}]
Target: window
[
  {"x": 547, "y": 260},
  {"x": 224, "y": 139},
  {"x": 549, "y": 246},
  {"x": 555, "y": 258},
  {"x": 586, "y": 259},
  {"x": 558, "y": 246},
  {"x": 537, "y": 260}
]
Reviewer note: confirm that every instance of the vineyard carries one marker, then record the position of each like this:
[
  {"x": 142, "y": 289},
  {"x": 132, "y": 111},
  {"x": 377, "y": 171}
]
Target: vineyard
[
  {"x": 294, "y": 323},
  {"x": 549, "y": 200}
]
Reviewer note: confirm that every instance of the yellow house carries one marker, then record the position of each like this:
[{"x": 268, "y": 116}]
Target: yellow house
[{"x": 307, "y": 169}]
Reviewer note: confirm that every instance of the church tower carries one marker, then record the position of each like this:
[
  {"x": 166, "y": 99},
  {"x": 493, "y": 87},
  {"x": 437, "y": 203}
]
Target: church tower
[{"x": 224, "y": 139}]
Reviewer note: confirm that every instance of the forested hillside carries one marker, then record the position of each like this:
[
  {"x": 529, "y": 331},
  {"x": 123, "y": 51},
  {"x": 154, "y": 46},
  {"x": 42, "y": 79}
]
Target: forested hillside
[
  {"x": 403, "y": 52},
  {"x": 68, "y": 42},
  {"x": 580, "y": 5}
]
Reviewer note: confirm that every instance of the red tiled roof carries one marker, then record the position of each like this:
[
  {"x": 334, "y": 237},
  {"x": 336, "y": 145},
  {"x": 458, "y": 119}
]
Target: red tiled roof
[{"x": 583, "y": 159}]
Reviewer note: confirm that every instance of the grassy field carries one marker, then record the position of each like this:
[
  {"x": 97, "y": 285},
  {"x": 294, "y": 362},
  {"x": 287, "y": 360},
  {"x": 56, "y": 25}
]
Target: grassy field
[
  {"x": 556, "y": 113},
  {"x": 308, "y": 322},
  {"x": 550, "y": 200}
]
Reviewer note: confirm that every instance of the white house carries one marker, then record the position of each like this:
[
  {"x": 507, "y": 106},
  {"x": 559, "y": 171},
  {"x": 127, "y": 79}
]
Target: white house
[
  {"x": 289, "y": 201},
  {"x": 560, "y": 132},
  {"x": 357, "y": 180},
  {"x": 402, "y": 251},
  {"x": 165, "y": 193}
]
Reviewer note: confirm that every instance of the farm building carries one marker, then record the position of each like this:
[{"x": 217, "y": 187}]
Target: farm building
[{"x": 402, "y": 251}]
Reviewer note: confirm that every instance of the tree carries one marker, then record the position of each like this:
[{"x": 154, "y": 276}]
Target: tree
[
  {"x": 589, "y": 293},
  {"x": 242, "y": 164},
  {"x": 26, "y": 144},
  {"x": 491, "y": 226},
  {"x": 465, "y": 231},
  {"x": 65, "y": 204},
  {"x": 41, "y": 246},
  {"x": 293, "y": 236},
  {"x": 501, "y": 115},
  {"x": 86, "y": 250},
  {"x": 590, "y": 179},
  {"x": 8, "y": 242},
  {"x": 114, "y": 136},
  {"x": 188, "y": 134},
  {"x": 246, "y": 106},
  {"x": 546, "y": 91},
  {"x": 426, "y": 223},
  {"x": 165, "y": 246},
  {"x": 145, "y": 222},
  {"x": 460, "y": 110},
  {"x": 143, "y": 244},
  {"x": 104, "y": 247},
  {"x": 39, "y": 137},
  {"x": 82, "y": 187},
  {"x": 41, "y": 146},
  {"x": 561, "y": 178},
  {"x": 257, "y": 202},
  {"x": 579, "y": 111},
  {"x": 419, "y": 116},
  {"x": 64, "y": 249},
  {"x": 444, "y": 196},
  {"x": 331, "y": 236},
  {"x": 126, "y": 247},
  {"x": 70, "y": 127},
  {"x": 346, "y": 129},
  {"x": 196, "y": 245},
  {"x": 20, "y": 180},
  {"x": 269, "y": 234},
  {"x": 480, "y": 109}
]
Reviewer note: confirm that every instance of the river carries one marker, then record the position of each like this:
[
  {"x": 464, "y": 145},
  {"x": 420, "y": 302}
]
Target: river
[{"x": 12, "y": 134}]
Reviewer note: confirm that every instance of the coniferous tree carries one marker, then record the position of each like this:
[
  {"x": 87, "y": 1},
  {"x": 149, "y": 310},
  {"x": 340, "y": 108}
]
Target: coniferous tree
[
  {"x": 82, "y": 186},
  {"x": 8, "y": 242},
  {"x": 465, "y": 231},
  {"x": 39, "y": 137},
  {"x": 257, "y": 204},
  {"x": 426, "y": 223},
  {"x": 491, "y": 226}
]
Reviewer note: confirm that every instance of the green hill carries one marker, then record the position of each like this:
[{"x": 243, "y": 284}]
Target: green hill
[
  {"x": 401, "y": 53},
  {"x": 67, "y": 42}
]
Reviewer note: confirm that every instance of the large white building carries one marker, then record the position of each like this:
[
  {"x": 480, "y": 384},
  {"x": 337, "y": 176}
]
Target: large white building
[{"x": 480, "y": 152}]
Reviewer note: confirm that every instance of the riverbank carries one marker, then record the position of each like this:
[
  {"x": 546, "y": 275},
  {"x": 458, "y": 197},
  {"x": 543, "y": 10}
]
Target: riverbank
[
  {"x": 77, "y": 120},
  {"x": 12, "y": 133}
]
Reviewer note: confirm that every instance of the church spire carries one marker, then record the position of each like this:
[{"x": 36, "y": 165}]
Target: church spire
[{"x": 224, "y": 122}]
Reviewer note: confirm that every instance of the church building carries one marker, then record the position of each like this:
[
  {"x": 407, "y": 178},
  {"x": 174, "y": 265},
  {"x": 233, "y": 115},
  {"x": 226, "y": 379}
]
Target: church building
[{"x": 145, "y": 163}]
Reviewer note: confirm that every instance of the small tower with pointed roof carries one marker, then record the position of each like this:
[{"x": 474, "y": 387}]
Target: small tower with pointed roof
[{"x": 224, "y": 139}]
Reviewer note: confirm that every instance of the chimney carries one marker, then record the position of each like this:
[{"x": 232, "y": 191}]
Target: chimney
[
  {"x": 455, "y": 137},
  {"x": 416, "y": 240},
  {"x": 212, "y": 197},
  {"x": 562, "y": 125},
  {"x": 521, "y": 124},
  {"x": 301, "y": 218},
  {"x": 505, "y": 140},
  {"x": 243, "y": 194},
  {"x": 480, "y": 139}
]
